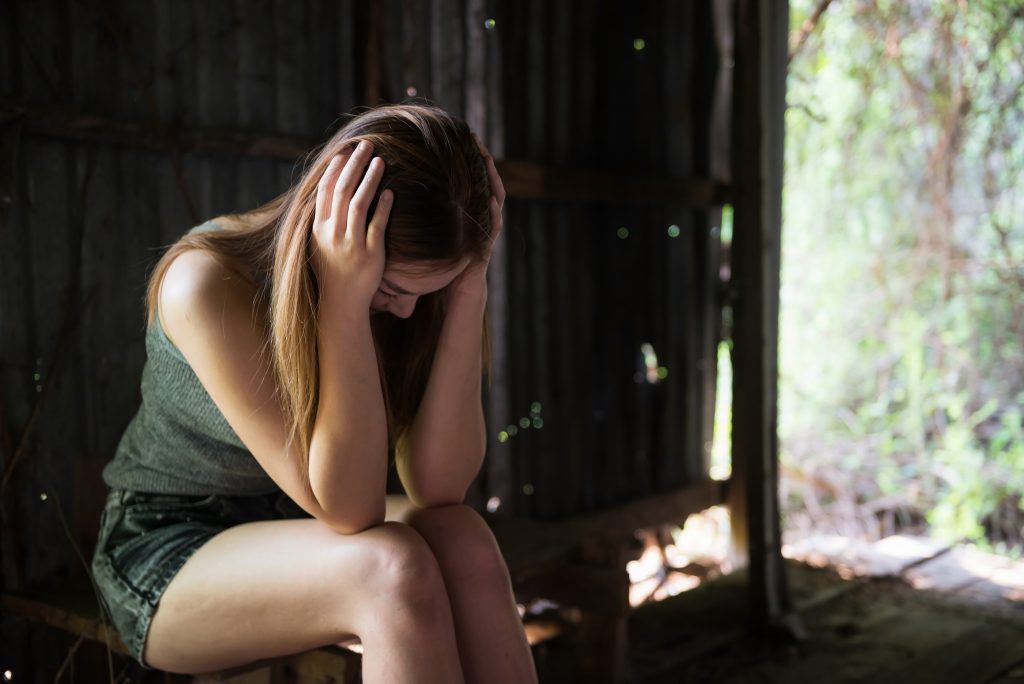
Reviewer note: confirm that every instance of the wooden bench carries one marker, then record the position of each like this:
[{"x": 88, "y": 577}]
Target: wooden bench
[
  {"x": 577, "y": 563},
  {"x": 533, "y": 551}
]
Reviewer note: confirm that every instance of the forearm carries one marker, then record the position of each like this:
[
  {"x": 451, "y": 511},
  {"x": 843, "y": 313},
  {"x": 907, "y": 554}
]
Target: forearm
[
  {"x": 444, "y": 447},
  {"x": 348, "y": 451}
]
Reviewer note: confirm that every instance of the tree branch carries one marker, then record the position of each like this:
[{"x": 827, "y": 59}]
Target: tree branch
[{"x": 807, "y": 28}]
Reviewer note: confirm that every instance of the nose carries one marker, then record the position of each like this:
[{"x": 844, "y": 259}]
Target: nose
[{"x": 403, "y": 306}]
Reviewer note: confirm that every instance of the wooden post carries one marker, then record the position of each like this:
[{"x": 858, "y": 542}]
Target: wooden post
[
  {"x": 601, "y": 637},
  {"x": 759, "y": 78}
]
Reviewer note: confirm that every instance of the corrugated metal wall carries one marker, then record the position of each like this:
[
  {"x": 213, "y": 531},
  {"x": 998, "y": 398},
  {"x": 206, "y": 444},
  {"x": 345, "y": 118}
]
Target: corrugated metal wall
[
  {"x": 589, "y": 284},
  {"x": 584, "y": 285}
]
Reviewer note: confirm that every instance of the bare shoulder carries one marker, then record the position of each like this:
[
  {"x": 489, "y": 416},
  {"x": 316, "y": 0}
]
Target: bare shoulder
[
  {"x": 209, "y": 312},
  {"x": 198, "y": 287}
]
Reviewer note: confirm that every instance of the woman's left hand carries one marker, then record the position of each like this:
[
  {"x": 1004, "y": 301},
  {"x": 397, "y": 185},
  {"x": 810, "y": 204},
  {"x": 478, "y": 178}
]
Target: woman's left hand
[{"x": 474, "y": 277}]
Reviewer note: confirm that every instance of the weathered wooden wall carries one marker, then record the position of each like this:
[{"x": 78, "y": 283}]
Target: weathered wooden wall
[
  {"x": 574, "y": 297},
  {"x": 582, "y": 298}
]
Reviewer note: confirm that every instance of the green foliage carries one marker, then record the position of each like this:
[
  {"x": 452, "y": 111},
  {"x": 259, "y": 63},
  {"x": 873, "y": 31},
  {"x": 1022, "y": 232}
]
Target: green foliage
[{"x": 901, "y": 355}]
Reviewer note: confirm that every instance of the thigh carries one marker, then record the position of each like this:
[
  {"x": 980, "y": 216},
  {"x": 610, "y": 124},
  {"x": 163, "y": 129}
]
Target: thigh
[{"x": 269, "y": 588}]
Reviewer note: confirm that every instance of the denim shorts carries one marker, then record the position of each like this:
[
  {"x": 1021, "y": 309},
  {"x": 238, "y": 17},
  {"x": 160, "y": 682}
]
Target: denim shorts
[{"x": 145, "y": 539}]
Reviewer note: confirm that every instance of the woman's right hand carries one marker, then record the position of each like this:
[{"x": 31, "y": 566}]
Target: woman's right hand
[{"x": 348, "y": 255}]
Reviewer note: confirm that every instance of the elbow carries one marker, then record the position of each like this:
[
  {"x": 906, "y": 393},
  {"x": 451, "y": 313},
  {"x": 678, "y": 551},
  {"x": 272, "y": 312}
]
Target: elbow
[
  {"x": 434, "y": 494},
  {"x": 353, "y": 516},
  {"x": 440, "y": 498},
  {"x": 433, "y": 478},
  {"x": 355, "y": 521},
  {"x": 354, "y": 526},
  {"x": 350, "y": 503}
]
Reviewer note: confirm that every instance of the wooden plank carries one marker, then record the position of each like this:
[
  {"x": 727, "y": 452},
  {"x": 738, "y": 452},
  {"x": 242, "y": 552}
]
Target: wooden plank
[
  {"x": 569, "y": 404},
  {"x": 971, "y": 573},
  {"x": 416, "y": 76},
  {"x": 497, "y": 476},
  {"x": 539, "y": 444},
  {"x": 291, "y": 42},
  {"x": 214, "y": 180},
  {"x": 54, "y": 307},
  {"x": 40, "y": 70},
  {"x": 706, "y": 244},
  {"x": 10, "y": 135},
  {"x": 132, "y": 32},
  {"x": 495, "y": 75},
  {"x": 531, "y": 547},
  {"x": 581, "y": 586},
  {"x": 17, "y": 383},
  {"x": 761, "y": 34},
  {"x": 257, "y": 103},
  {"x": 1014, "y": 674},
  {"x": 390, "y": 49},
  {"x": 345, "y": 60},
  {"x": 527, "y": 179},
  {"x": 10, "y": 59},
  {"x": 447, "y": 44},
  {"x": 618, "y": 523},
  {"x": 535, "y": 447},
  {"x": 324, "y": 74},
  {"x": 57, "y": 122},
  {"x": 886, "y": 557},
  {"x": 561, "y": 407},
  {"x": 475, "y": 66},
  {"x": 881, "y": 642},
  {"x": 972, "y": 656},
  {"x": 521, "y": 360}
]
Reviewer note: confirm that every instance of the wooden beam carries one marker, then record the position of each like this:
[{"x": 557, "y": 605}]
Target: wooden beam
[
  {"x": 524, "y": 180},
  {"x": 58, "y": 122},
  {"x": 757, "y": 163},
  {"x": 617, "y": 524},
  {"x": 529, "y": 180}
]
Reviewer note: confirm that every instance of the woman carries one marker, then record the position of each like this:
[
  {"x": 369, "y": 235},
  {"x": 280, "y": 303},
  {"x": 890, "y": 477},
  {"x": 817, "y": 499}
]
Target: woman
[{"x": 287, "y": 348}]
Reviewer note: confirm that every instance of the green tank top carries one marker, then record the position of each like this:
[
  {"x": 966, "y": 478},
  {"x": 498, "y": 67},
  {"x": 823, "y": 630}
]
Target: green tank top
[{"x": 179, "y": 442}]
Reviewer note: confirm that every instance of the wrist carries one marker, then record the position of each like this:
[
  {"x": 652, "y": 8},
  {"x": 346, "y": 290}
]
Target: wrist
[
  {"x": 471, "y": 284},
  {"x": 469, "y": 294},
  {"x": 344, "y": 308}
]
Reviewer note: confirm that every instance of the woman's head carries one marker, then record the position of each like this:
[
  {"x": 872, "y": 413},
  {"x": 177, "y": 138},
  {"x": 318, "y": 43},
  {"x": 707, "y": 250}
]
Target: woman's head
[
  {"x": 440, "y": 215},
  {"x": 434, "y": 167},
  {"x": 438, "y": 223},
  {"x": 404, "y": 283}
]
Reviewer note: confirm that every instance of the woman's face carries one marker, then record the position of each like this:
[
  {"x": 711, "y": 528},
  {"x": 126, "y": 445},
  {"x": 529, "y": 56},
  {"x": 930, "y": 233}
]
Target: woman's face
[{"x": 403, "y": 284}]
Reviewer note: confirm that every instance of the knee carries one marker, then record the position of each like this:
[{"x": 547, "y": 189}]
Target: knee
[
  {"x": 404, "y": 571},
  {"x": 463, "y": 544}
]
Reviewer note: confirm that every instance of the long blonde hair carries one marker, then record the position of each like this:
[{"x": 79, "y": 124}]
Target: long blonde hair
[{"x": 440, "y": 215}]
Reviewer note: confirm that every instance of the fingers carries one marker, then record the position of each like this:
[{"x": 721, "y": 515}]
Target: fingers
[
  {"x": 496, "y": 221},
  {"x": 497, "y": 187},
  {"x": 360, "y": 204},
  {"x": 324, "y": 189},
  {"x": 375, "y": 231},
  {"x": 348, "y": 180}
]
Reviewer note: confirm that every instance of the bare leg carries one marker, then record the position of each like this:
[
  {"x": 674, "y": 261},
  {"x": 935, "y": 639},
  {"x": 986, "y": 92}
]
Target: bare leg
[
  {"x": 492, "y": 643},
  {"x": 275, "y": 587}
]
